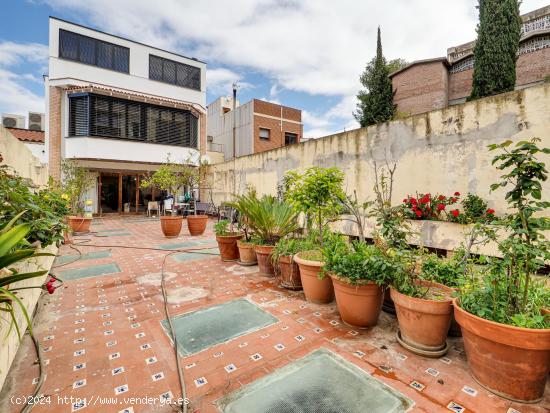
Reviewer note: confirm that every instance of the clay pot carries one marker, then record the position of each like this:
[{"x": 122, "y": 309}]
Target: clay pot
[
  {"x": 263, "y": 255},
  {"x": 424, "y": 324},
  {"x": 247, "y": 255},
  {"x": 512, "y": 362},
  {"x": 79, "y": 224},
  {"x": 316, "y": 290},
  {"x": 197, "y": 224},
  {"x": 171, "y": 225},
  {"x": 289, "y": 273},
  {"x": 228, "y": 246},
  {"x": 359, "y": 305}
]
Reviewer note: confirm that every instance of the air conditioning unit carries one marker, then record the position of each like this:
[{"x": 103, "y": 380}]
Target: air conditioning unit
[
  {"x": 36, "y": 121},
  {"x": 13, "y": 121}
]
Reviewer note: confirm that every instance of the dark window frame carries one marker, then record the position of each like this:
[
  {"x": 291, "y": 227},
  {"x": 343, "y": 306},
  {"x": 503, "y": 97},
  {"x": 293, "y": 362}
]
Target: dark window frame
[
  {"x": 191, "y": 80},
  {"x": 91, "y": 58},
  {"x": 155, "y": 124},
  {"x": 293, "y": 135}
]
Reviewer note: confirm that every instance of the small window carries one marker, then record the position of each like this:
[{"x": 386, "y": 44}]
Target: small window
[
  {"x": 291, "y": 138},
  {"x": 264, "y": 133},
  {"x": 175, "y": 73}
]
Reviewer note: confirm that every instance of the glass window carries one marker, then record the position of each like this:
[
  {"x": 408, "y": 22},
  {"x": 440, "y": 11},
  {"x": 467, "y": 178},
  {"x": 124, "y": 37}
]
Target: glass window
[
  {"x": 264, "y": 133},
  {"x": 291, "y": 138},
  {"x": 175, "y": 73}
]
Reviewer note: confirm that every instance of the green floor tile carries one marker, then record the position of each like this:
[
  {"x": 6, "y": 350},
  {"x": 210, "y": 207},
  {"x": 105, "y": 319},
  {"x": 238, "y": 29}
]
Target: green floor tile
[
  {"x": 198, "y": 255},
  {"x": 186, "y": 244},
  {"x": 91, "y": 271},
  {"x": 201, "y": 329},
  {"x": 113, "y": 233},
  {"x": 64, "y": 259}
]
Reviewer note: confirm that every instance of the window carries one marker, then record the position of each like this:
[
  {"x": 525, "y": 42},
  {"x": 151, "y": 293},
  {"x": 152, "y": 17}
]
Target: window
[
  {"x": 90, "y": 51},
  {"x": 290, "y": 138},
  {"x": 109, "y": 117},
  {"x": 175, "y": 73},
  {"x": 264, "y": 133}
]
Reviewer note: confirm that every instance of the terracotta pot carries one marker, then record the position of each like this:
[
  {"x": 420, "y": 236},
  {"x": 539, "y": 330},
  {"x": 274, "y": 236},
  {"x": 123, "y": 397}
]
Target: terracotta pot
[
  {"x": 289, "y": 273},
  {"x": 359, "y": 305},
  {"x": 316, "y": 290},
  {"x": 247, "y": 255},
  {"x": 509, "y": 361},
  {"x": 424, "y": 324},
  {"x": 79, "y": 224},
  {"x": 263, "y": 255},
  {"x": 228, "y": 246},
  {"x": 171, "y": 225},
  {"x": 197, "y": 224}
]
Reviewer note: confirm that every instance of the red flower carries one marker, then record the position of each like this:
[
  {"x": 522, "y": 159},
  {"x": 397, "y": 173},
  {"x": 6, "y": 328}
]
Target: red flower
[
  {"x": 425, "y": 199},
  {"x": 455, "y": 213},
  {"x": 413, "y": 201},
  {"x": 440, "y": 207},
  {"x": 441, "y": 197},
  {"x": 453, "y": 200},
  {"x": 418, "y": 213},
  {"x": 405, "y": 200},
  {"x": 490, "y": 211},
  {"x": 457, "y": 193}
]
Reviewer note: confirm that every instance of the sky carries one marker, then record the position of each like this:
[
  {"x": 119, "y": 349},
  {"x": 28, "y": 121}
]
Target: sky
[{"x": 306, "y": 54}]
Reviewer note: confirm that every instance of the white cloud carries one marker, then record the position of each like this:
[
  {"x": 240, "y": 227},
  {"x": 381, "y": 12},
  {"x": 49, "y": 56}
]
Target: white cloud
[
  {"x": 12, "y": 53},
  {"x": 15, "y": 98},
  {"x": 220, "y": 81}
]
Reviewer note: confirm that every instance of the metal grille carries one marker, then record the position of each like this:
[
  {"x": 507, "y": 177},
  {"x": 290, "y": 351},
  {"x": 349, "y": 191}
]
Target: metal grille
[
  {"x": 90, "y": 51},
  {"x": 174, "y": 73},
  {"x": 109, "y": 117}
]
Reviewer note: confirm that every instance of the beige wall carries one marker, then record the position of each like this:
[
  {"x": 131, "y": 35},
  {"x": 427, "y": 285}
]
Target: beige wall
[
  {"x": 16, "y": 154},
  {"x": 442, "y": 151}
]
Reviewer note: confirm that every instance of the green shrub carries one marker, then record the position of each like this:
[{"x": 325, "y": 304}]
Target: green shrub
[{"x": 221, "y": 228}]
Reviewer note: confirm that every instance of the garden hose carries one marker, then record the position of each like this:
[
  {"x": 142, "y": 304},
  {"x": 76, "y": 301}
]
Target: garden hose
[{"x": 85, "y": 242}]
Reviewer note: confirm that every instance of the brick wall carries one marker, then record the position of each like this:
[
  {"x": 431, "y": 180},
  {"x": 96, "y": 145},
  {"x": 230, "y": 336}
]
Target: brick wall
[
  {"x": 276, "y": 127},
  {"x": 54, "y": 135},
  {"x": 533, "y": 67},
  {"x": 460, "y": 84},
  {"x": 421, "y": 88}
]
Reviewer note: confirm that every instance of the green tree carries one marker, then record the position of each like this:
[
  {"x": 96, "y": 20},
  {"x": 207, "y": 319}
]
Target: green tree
[
  {"x": 376, "y": 99},
  {"x": 495, "y": 52}
]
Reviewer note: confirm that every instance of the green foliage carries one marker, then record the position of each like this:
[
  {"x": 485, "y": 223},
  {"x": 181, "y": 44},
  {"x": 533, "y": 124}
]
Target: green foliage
[
  {"x": 75, "y": 183},
  {"x": 317, "y": 192},
  {"x": 430, "y": 206},
  {"x": 507, "y": 293},
  {"x": 45, "y": 208},
  {"x": 172, "y": 176},
  {"x": 376, "y": 99},
  {"x": 221, "y": 228},
  {"x": 495, "y": 52},
  {"x": 446, "y": 271}
]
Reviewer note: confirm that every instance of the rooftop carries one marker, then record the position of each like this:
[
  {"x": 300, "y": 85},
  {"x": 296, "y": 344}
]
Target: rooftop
[{"x": 27, "y": 135}]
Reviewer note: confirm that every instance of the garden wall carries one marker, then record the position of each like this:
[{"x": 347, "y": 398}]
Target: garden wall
[{"x": 442, "y": 151}]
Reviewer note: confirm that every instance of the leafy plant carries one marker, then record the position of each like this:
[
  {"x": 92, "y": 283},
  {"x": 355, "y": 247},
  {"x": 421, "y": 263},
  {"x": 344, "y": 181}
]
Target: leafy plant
[
  {"x": 508, "y": 292},
  {"x": 446, "y": 271},
  {"x": 45, "y": 209},
  {"x": 289, "y": 246},
  {"x": 221, "y": 228},
  {"x": 318, "y": 193},
  {"x": 76, "y": 182},
  {"x": 430, "y": 207}
]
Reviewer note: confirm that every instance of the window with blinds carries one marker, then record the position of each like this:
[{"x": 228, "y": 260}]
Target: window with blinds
[
  {"x": 90, "y": 51},
  {"x": 109, "y": 117},
  {"x": 175, "y": 73}
]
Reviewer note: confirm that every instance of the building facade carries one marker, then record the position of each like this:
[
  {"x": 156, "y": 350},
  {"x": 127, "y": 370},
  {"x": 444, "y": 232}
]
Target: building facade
[
  {"x": 259, "y": 126},
  {"x": 120, "y": 109},
  {"x": 431, "y": 84}
]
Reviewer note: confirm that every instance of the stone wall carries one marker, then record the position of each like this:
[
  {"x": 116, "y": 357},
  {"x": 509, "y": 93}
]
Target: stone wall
[{"x": 442, "y": 151}]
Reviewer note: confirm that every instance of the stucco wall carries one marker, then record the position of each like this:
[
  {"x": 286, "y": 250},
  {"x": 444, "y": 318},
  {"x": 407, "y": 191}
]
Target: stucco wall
[{"x": 442, "y": 151}]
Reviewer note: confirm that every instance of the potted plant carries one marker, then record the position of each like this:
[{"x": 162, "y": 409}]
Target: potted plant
[
  {"x": 358, "y": 272},
  {"x": 76, "y": 182},
  {"x": 317, "y": 193},
  {"x": 284, "y": 263},
  {"x": 227, "y": 241},
  {"x": 245, "y": 245},
  {"x": 506, "y": 335},
  {"x": 196, "y": 223}
]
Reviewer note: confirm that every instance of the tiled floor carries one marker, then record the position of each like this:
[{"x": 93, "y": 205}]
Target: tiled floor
[{"x": 103, "y": 341}]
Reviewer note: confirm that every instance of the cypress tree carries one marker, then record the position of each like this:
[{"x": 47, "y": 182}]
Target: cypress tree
[
  {"x": 376, "y": 100},
  {"x": 495, "y": 52}
]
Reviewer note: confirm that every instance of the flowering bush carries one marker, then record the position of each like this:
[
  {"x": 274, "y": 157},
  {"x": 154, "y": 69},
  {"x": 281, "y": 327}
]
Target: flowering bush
[{"x": 428, "y": 206}]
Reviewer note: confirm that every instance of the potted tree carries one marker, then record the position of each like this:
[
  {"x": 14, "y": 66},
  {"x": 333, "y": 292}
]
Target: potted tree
[
  {"x": 506, "y": 335},
  {"x": 227, "y": 240},
  {"x": 196, "y": 223},
  {"x": 76, "y": 182},
  {"x": 283, "y": 260},
  {"x": 317, "y": 193}
]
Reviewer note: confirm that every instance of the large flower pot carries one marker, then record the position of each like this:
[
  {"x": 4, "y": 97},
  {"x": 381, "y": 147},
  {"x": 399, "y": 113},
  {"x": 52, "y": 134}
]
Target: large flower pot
[
  {"x": 359, "y": 305},
  {"x": 247, "y": 255},
  {"x": 509, "y": 361},
  {"x": 289, "y": 273},
  {"x": 79, "y": 224},
  {"x": 263, "y": 255},
  {"x": 171, "y": 225},
  {"x": 424, "y": 323},
  {"x": 228, "y": 246},
  {"x": 197, "y": 224},
  {"x": 316, "y": 290}
]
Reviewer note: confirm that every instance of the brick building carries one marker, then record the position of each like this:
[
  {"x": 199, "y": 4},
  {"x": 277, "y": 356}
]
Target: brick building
[
  {"x": 431, "y": 84},
  {"x": 259, "y": 126}
]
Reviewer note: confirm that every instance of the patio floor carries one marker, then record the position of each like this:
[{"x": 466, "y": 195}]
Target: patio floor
[{"x": 104, "y": 341}]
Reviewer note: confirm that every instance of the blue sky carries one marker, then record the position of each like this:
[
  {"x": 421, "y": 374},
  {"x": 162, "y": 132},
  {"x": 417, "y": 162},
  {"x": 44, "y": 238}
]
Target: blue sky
[{"x": 306, "y": 54}]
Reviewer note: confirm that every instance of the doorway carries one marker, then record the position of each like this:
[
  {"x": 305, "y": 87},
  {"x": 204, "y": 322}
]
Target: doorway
[
  {"x": 109, "y": 193},
  {"x": 120, "y": 193}
]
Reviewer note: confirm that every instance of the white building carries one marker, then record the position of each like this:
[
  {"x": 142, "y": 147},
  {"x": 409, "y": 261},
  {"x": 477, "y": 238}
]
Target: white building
[{"x": 120, "y": 108}]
